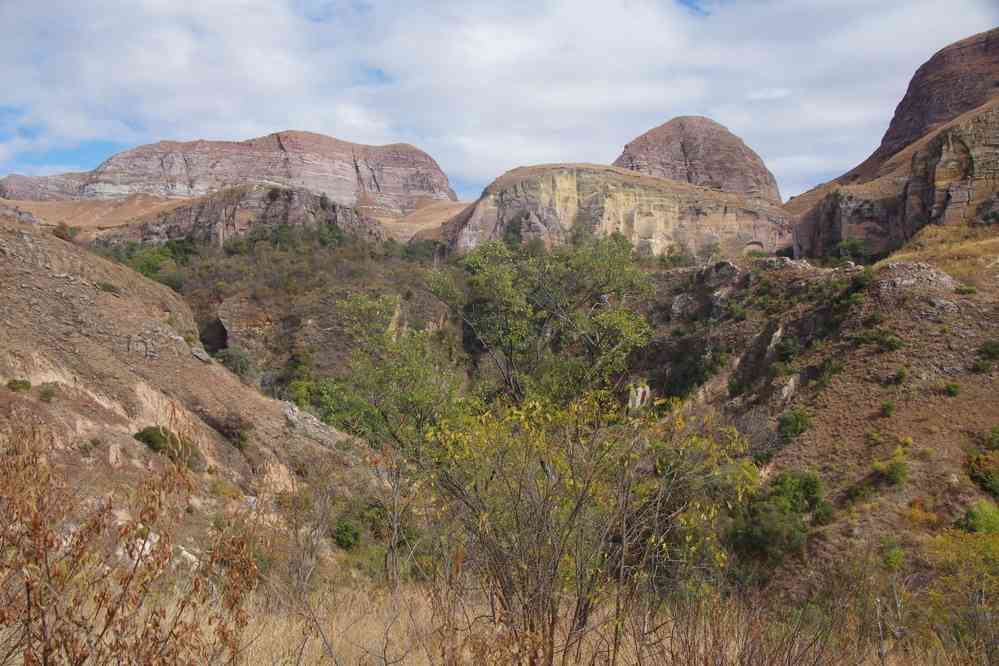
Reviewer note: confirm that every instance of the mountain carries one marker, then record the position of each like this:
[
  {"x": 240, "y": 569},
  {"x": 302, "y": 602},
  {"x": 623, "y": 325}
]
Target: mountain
[
  {"x": 699, "y": 151},
  {"x": 937, "y": 163},
  {"x": 551, "y": 202},
  {"x": 389, "y": 179}
]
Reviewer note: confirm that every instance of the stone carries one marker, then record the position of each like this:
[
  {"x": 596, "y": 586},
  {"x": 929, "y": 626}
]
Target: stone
[
  {"x": 391, "y": 179},
  {"x": 201, "y": 355},
  {"x": 699, "y": 151},
  {"x": 938, "y": 163},
  {"x": 550, "y": 202}
]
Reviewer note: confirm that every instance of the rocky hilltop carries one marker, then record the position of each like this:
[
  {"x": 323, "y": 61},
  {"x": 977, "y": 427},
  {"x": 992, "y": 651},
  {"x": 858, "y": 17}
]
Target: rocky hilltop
[
  {"x": 549, "y": 202},
  {"x": 937, "y": 163},
  {"x": 389, "y": 179},
  {"x": 218, "y": 217},
  {"x": 699, "y": 151}
]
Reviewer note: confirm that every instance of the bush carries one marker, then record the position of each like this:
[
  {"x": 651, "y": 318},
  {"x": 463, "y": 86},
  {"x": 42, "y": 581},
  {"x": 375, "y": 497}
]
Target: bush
[
  {"x": 894, "y": 471},
  {"x": 989, "y": 350},
  {"x": 981, "y": 366},
  {"x": 788, "y": 349},
  {"x": 992, "y": 439},
  {"x": 900, "y": 376},
  {"x": 238, "y": 361},
  {"x": 108, "y": 288},
  {"x": 346, "y": 534},
  {"x": 887, "y": 408},
  {"x": 774, "y": 524},
  {"x": 161, "y": 440},
  {"x": 966, "y": 290},
  {"x": 19, "y": 385},
  {"x": 952, "y": 389},
  {"x": 793, "y": 423},
  {"x": 982, "y": 518},
  {"x": 236, "y": 428},
  {"x": 47, "y": 393},
  {"x": 984, "y": 470},
  {"x": 65, "y": 232}
]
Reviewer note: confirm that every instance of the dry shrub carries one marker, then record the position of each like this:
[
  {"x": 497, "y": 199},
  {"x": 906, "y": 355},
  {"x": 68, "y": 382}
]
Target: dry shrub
[{"x": 84, "y": 588}]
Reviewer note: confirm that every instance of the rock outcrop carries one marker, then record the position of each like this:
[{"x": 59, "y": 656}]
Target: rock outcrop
[
  {"x": 230, "y": 213},
  {"x": 937, "y": 164},
  {"x": 699, "y": 151},
  {"x": 549, "y": 202},
  {"x": 390, "y": 179}
]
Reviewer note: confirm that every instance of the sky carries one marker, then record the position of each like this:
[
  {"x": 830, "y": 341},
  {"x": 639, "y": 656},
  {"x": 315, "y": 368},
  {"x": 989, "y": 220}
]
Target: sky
[{"x": 483, "y": 86}]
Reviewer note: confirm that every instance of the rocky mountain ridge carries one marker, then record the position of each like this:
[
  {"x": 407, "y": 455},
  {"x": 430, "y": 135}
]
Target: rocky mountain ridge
[
  {"x": 550, "y": 202},
  {"x": 389, "y": 179}
]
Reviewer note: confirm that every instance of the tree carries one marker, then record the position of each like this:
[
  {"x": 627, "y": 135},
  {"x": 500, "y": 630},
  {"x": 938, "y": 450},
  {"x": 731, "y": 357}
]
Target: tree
[{"x": 551, "y": 324}]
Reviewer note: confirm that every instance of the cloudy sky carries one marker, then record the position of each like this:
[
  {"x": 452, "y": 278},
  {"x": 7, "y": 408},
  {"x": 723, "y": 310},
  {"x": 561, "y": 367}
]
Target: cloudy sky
[{"x": 482, "y": 85}]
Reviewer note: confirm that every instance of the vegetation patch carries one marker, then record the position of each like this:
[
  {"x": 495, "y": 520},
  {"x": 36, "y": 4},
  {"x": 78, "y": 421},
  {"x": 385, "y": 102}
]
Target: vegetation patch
[
  {"x": 161, "y": 440},
  {"x": 19, "y": 385}
]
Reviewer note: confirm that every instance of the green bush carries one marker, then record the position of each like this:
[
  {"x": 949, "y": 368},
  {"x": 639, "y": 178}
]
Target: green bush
[
  {"x": 984, "y": 470},
  {"x": 238, "y": 361},
  {"x": 346, "y": 534},
  {"x": 887, "y": 408},
  {"x": 793, "y": 423},
  {"x": 894, "y": 471},
  {"x": 773, "y": 525},
  {"x": 992, "y": 439},
  {"x": 981, "y": 366},
  {"x": 788, "y": 349},
  {"x": 966, "y": 290},
  {"x": 163, "y": 441},
  {"x": 47, "y": 393},
  {"x": 952, "y": 389},
  {"x": 65, "y": 232},
  {"x": 900, "y": 376},
  {"x": 19, "y": 385},
  {"x": 989, "y": 350},
  {"x": 982, "y": 517}
]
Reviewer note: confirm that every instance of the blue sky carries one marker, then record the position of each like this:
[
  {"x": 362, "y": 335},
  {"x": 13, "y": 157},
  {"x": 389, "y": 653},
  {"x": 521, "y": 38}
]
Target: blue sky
[{"x": 482, "y": 86}]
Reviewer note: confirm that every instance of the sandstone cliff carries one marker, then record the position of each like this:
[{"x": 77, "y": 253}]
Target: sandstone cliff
[
  {"x": 226, "y": 214},
  {"x": 549, "y": 202},
  {"x": 388, "y": 178},
  {"x": 699, "y": 151},
  {"x": 938, "y": 162}
]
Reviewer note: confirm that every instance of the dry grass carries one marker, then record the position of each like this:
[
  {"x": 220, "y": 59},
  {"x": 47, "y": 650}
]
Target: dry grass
[{"x": 969, "y": 254}]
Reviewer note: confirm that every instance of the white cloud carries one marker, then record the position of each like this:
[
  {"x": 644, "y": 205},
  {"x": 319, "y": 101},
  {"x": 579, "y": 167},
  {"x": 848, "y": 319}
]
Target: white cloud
[{"x": 483, "y": 86}]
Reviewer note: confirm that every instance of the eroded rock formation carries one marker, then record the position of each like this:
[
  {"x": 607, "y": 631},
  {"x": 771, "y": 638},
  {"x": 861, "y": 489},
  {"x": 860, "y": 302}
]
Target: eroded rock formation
[
  {"x": 550, "y": 202},
  {"x": 699, "y": 151},
  {"x": 230, "y": 213},
  {"x": 390, "y": 179},
  {"x": 937, "y": 164}
]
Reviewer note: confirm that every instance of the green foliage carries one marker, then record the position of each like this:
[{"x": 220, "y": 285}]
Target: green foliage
[
  {"x": 965, "y": 290},
  {"x": 887, "y": 408},
  {"x": 773, "y": 525},
  {"x": 19, "y": 385},
  {"x": 982, "y": 517},
  {"x": 900, "y": 376},
  {"x": 346, "y": 534},
  {"x": 551, "y": 324},
  {"x": 793, "y": 423},
  {"x": 788, "y": 349},
  {"x": 894, "y": 471},
  {"x": 989, "y": 350},
  {"x": 992, "y": 439},
  {"x": 984, "y": 470},
  {"x": 47, "y": 393},
  {"x": 420, "y": 250},
  {"x": 238, "y": 361},
  {"x": 65, "y": 232},
  {"x": 161, "y": 440},
  {"x": 884, "y": 339},
  {"x": 855, "y": 249},
  {"x": 157, "y": 262},
  {"x": 677, "y": 256},
  {"x": 952, "y": 389},
  {"x": 892, "y": 554}
]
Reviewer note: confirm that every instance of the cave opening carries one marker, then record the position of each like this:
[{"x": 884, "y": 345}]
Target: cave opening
[{"x": 214, "y": 336}]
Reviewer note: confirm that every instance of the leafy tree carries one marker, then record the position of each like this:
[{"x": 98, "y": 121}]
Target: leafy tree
[{"x": 551, "y": 324}]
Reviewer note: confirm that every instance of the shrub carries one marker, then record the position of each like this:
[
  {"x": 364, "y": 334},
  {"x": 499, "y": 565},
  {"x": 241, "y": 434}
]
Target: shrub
[
  {"x": 952, "y": 389},
  {"x": 237, "y": 360},
  {"x": 894, "y": 471},
  {"x": 793, "y": 423},
  {"x": 19, "y": 385},
  {"x": 992, "y": 439},
  {"x": 966, "y": 290},
  {"x": 892, "y": 554},
  {"x": 161, "y": 440},
  {"x": 900, "y": 376},
  {"x": 788, "y": 349},
  {"x": 981, "y": 366},
  {"x": 774, "y": 523},
  {"x": 984, "y": 470},
  {"x": 47, "y": 393},
  {"x": 108, "y": 288},
  {"x": 989, "y": 350},
  {"x": 65, "y": 232},
  {"x": 235, "y": 428},
  {"x": 887, "y": 408},
  {"x": 346, "y": 534},
  {"x": 982, "y": 517}
]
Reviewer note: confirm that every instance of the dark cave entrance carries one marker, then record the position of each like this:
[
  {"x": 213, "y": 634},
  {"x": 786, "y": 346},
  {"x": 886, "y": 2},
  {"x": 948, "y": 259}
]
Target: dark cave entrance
[{"x": 214, "y": 336}]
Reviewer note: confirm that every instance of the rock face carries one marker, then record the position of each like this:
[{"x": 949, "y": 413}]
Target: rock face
[
  {"x": 937, "y": 164},
  {"x": 233, "y": 212},
  {"x": 699, "y": 151},
  {"x": 390, "y": 178},
  {"x": 550, "y": 202}
]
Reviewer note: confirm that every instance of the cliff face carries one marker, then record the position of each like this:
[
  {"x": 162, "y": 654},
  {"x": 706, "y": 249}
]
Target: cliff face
[
  {"x": 549, "y": 202},
  {"x": 233, "y": 212},
  {"x": 699, "y": 151},
  {"x": 389, "y": 179},
  {"x": 937, "y": 164}
]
